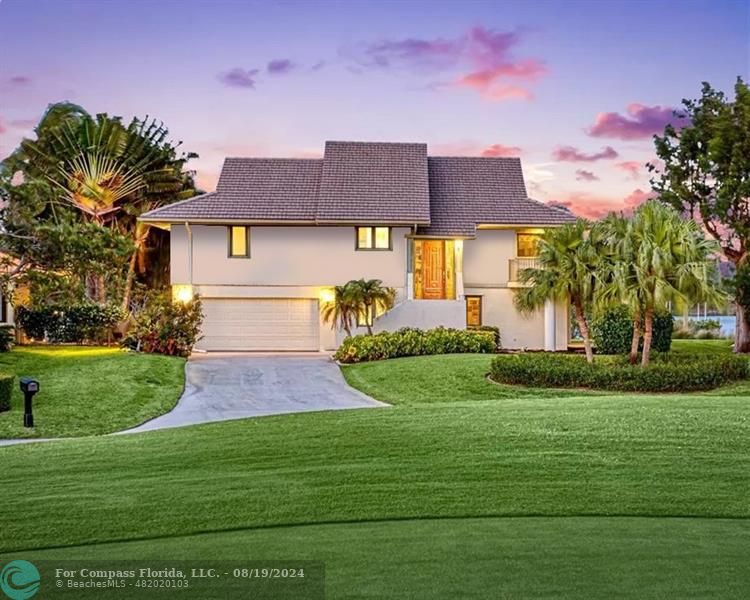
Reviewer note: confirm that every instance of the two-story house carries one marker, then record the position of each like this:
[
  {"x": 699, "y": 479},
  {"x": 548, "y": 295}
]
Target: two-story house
[{"x": 448, "y": 233}]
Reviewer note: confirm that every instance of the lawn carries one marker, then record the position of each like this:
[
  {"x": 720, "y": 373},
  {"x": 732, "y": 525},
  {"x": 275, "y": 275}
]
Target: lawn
[
  {"x": 88, "y": 390},
  {"x": 470, "y": 492}
]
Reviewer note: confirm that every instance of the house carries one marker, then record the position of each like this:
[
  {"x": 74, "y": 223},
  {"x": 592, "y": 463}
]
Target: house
[{"x": 448, "y": 233}]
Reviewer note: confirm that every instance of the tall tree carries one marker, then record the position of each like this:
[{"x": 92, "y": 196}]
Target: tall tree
[
  {"x": 372, "y": 297},
  {"x": 568, "y": 261},
  {"x": 706, "y": 175},
  {"x": 664, "y": 258},
  {"x": 103, "y": 171}
]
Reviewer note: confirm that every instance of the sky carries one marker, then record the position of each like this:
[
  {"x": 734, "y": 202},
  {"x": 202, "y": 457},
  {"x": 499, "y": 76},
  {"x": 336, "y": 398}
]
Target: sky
[{"x": 576, "y": 88}]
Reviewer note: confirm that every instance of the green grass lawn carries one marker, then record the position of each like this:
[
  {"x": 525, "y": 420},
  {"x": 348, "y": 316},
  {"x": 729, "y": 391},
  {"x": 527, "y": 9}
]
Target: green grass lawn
[
  {"x": 474, "y": 491},
  {"x": 88, "y": 390}
]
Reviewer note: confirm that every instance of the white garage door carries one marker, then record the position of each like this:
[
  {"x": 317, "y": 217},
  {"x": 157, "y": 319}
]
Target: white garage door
[{"x": 260, "y": 324}]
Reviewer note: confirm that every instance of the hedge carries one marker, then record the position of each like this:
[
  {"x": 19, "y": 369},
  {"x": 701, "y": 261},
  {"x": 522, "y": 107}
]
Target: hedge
[
  {"x": 612, "y": 331},
  {"x": 409, "y": 341},
  {"x": 664, "y": 374},
  {"x": 6, "y": 389},
  {"x": 69, "y": 324}
]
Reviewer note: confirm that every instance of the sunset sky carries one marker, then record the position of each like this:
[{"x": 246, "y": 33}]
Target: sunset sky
[{"x": 576, "y": 88}]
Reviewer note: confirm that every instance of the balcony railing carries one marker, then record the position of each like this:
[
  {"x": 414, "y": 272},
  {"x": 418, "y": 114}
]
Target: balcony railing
[{"x": 516, "y": 265}]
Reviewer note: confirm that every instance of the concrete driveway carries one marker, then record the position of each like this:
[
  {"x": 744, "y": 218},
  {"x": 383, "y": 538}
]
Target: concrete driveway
[{"x": 224, "y": 386}]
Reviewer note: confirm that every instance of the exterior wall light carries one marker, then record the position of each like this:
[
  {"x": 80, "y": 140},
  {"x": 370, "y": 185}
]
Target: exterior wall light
[
  {"x": 327, "y": 295},
  {"x": 182, "y": 293}
]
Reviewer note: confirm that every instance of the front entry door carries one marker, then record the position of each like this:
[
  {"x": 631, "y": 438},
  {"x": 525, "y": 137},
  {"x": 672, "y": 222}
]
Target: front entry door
[{"x": 433, "y": 269}]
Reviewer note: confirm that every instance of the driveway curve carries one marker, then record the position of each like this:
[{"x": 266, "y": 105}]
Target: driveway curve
[{"x": 224, "y": 386}]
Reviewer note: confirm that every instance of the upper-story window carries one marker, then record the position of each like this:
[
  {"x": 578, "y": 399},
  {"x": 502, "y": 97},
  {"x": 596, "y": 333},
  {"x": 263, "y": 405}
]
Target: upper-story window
[
  {"x": 239, "y": 241},
  {"x": 374, "y": 238},
  {"x": 527, "y": 245}
]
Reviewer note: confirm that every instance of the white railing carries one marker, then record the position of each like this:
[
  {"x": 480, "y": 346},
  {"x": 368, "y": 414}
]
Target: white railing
[{"x": 516, "y": 265}]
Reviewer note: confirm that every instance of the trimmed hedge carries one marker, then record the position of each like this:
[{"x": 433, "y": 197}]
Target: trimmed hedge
[
  {"x": 6, "y": 389},
  {"x": 69, "y": 324},
  {"x": 612, "y": 331},
  {"x": 664, "y": 374},
  {"x": 7, "y": 337},
  {"x": 409, "y": 341},
  {"x": 495, "y": 331}
]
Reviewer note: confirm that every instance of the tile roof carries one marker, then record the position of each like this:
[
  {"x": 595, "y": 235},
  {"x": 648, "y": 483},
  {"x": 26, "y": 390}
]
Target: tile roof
[
  {"x": 374, "y": 182},
  {"x": 467, "y": 191},
  {"x": 370, "y": 182}
]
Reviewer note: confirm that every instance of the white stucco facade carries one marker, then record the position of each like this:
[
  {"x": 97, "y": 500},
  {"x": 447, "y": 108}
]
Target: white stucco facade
[{"x": 304, "y": 261}]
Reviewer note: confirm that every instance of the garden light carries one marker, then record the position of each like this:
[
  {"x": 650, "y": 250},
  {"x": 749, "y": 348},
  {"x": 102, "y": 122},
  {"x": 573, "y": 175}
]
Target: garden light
[{"x": 29, "y": 387}]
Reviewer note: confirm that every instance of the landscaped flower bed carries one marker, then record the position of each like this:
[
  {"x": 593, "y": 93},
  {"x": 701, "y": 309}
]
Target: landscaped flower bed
[
  {"x": 664, "y": 374},
  {"x": 415, "y": 342}
]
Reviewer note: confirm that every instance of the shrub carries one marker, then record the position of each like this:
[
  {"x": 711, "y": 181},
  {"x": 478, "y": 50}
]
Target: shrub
[
  {"x": 414, "y": 342},
  {"x": 69, "y": 324},
  {"x": 6, "y": 389},
  {"x": 7, "y": 337},
  {"x": 612, "y": 331},
  {"x": 163, "y": 326},
  {"x": 664, "y": 374},
  {"x": 495, "y": 331}
]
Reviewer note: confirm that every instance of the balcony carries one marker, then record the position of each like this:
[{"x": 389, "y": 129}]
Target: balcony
[{"x": 516, "y": 265}]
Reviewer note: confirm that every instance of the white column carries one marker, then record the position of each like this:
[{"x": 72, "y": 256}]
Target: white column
[{"x": 549, "y": 325}]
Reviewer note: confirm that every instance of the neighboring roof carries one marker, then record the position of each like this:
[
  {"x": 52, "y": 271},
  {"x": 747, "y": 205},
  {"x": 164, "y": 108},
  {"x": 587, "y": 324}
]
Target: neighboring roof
[
  {"x": 467, "y": 191},
  {"x": 374, "y": 182},
  {"x": 369, "y": 182}
]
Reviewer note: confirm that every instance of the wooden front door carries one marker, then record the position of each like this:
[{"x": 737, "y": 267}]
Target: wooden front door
[{"x": 433, "y": 269}]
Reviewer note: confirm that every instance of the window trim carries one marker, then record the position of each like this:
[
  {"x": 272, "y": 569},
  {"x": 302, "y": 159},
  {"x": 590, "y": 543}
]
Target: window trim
[
  {"x": 372, "y": 229},
  {"x": 229, "y": 242},
  {"x": 478, "y": 297}
]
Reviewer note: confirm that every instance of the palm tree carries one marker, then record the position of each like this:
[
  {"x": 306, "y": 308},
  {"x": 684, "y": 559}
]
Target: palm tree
[
  {"x": 663, "y": 258},
  {"x": 342, "y": 310},
  {"x": 373, "y": 298},
  {"x": 568, "y": 262}
]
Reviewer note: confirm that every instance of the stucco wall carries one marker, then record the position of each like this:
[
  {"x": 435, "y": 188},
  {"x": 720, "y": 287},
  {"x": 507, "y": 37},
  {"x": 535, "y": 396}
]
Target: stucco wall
[
  {"x": 486, "y": 257},
  {"x": 286, "y": 256}
]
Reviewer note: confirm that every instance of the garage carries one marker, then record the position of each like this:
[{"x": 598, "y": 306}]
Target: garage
[{"x": 258, "y": 324}]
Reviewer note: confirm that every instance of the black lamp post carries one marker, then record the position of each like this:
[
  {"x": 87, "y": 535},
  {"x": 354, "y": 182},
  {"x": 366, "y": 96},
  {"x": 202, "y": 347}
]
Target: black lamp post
[{"x": 29, "y": 387}]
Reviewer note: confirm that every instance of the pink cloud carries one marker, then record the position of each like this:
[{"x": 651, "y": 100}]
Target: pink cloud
[
  {"x": 631, "y": 167},
  {"x": 501, "y": 150},
  {"x": 484, "y": 56},
  {"x": 241, "y": 78},
  {"x": 637, "y": 197},
  {"x": 572, "y": 154},
  {"x": 641, "y": 122},
  {"x": 583, "y": 175},
  {"x": 280, "y": 66},
  {"x": 595, "y": 207},
  {"x": 3, "y": 127}
]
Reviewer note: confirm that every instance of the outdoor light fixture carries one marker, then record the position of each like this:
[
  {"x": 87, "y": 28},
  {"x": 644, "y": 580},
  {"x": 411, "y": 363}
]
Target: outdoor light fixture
[
  {"x": 29, "y": 387},
  {"x": 326, "y": 295},
  {"x": 182, "y": 293}
]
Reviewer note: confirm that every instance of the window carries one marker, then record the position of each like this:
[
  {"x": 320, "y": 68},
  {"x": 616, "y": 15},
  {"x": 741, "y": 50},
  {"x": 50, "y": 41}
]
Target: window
[
  {"x": 473, "y": 311},
  {"x": 374, "y": 238},
  {"x": 239, "y": 242},
  {"x": 527, "y": 245}
]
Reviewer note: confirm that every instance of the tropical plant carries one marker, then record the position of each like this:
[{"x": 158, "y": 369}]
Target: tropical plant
[
  {"x": 372, "y": 298},
  {"x": 341, "y": 310},
  {"x": 568, "y": 259},
  {"x": 706, "y": 175},
  {"x": 661, "y": 258}
]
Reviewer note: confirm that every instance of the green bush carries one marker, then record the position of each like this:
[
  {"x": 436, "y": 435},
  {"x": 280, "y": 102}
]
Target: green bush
[
  {"x": 612, "y": 331},
  {"x": 414, "y": 342},
  {"x": 6, "y": 389},
  {"x": 69, "y": 324},
  {"x": 664, "y": 374},
  {"x": 163, "y": 326},
  {"x": 7, "y": 337},
  {"x": 495, "y": 331}
]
